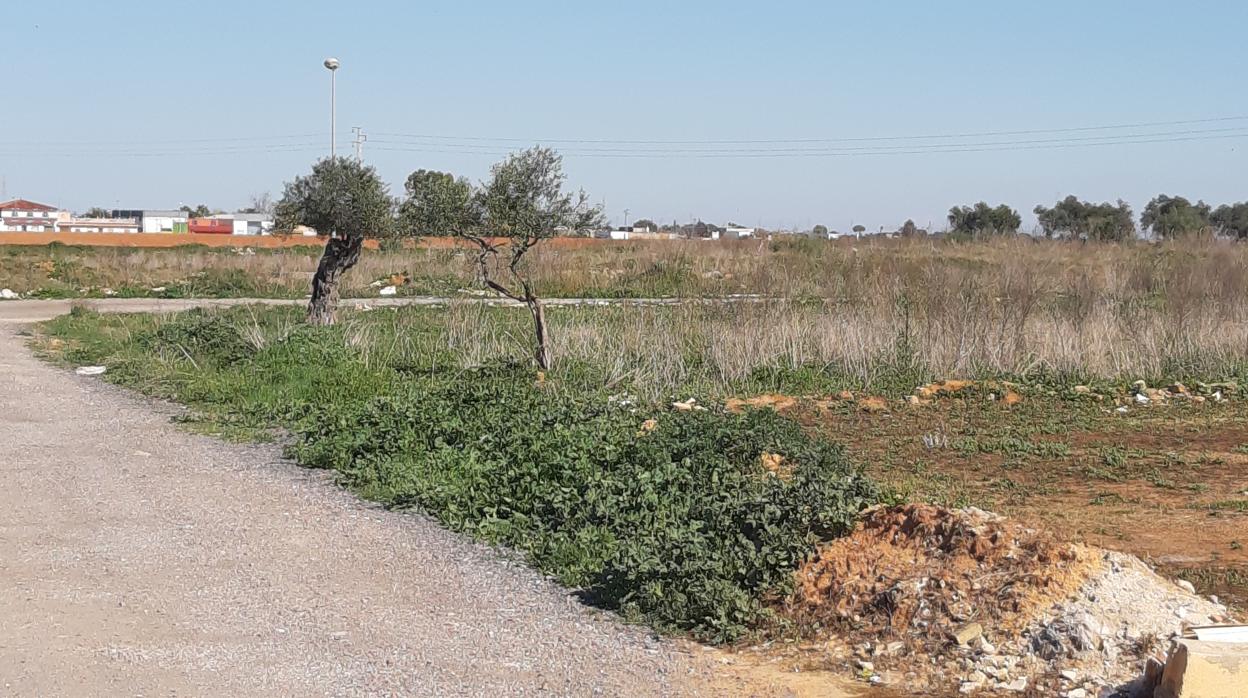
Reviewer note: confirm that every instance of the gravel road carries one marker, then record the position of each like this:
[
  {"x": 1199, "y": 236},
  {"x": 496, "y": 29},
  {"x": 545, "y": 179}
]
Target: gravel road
[{"x": 137, "y": 559}]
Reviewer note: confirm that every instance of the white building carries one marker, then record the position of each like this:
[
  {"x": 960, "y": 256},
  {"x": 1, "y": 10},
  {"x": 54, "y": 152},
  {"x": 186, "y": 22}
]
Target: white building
[
  {"x": 248, "y": 223},
  {"x": 156, "y": 220},
  {"x": 73, "y": 224},
  {"x": 25, "y": 216},
  {"x": 738, "y": 233}
]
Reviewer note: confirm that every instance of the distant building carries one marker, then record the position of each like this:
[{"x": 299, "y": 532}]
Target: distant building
[
  {"x": 210, "y": 226},
  {"x": 25, "y": 216},
  {"x": 735, "y": 232},
  {"x": 247, "y": 223},
  {"x": 74, "y": 224},
  {"x": 156, "y": 220}
]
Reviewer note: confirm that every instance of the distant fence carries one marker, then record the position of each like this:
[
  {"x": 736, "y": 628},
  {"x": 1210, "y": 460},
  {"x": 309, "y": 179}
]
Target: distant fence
[{"x": 157, "y": 240}]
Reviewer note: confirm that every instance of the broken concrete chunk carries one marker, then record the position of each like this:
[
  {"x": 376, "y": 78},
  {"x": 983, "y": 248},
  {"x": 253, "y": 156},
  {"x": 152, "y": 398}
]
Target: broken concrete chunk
[
  {"x": 1199, "y": 669},
  {"x": 969, "y": 634}
]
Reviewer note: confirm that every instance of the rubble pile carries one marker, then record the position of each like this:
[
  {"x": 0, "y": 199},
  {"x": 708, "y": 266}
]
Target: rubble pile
[{"x": 935, "y": 599}]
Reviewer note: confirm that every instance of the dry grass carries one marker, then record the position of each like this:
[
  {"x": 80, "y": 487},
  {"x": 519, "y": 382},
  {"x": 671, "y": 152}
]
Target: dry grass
[{"x": 866, "y": 312}]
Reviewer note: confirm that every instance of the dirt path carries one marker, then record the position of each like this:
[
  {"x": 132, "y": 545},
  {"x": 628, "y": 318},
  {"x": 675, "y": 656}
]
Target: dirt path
[
  {"x": 137, "y": 559},
  {"x": 25, "y": 311}
]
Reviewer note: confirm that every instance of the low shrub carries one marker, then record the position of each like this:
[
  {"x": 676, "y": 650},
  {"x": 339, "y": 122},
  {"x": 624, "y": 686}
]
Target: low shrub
[
  {"x": 691, "y": 521},
  {"x": 682, "y": 525}
]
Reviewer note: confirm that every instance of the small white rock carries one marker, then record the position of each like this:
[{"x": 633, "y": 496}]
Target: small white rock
[
  {"x": 388, "y": 291},
  {"x": 9, "y": 294},
  {"x": 1076, "y": 693},
  {"x": 90, "y": 370},
  {"x": 1185, "y": 586}
]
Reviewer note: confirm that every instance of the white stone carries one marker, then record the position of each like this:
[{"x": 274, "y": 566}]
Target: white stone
[
  {"x": 1185, "y": 586},
  {"x": 8, "y": 294},
  {"x": 388, "y": 291}
]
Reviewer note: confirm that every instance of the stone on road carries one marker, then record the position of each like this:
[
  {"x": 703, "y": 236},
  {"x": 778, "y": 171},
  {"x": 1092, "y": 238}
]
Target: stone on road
[{"x": 138, "y": 559}]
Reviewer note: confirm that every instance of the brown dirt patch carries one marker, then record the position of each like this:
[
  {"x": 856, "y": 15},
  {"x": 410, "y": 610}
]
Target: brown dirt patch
[
  {"x": 776, "y": 402},
  {"x": 918, "y": 572},
  {"x": 873, "y": 405}
]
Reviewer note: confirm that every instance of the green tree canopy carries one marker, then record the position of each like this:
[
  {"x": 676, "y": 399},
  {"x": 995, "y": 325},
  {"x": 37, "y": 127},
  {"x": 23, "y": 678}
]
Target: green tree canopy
[
  {"x": 982, "y": 219},
  {"x": 523, "y": 201},
  {"x": 647, "y": 224},
  {"x": 438, "y": 204},
  {"x": 97, "y": 212},
  {"x": 1170, "y": 216},
  {"x": 1231, "y": 219},
  {"x": 346, "y": 200},
  {"x": 1074, "y": 218},
  {"x": 820, "y": 231},
  {"x": 860, "y": 229},
  {"x": 200, "y": 211}
]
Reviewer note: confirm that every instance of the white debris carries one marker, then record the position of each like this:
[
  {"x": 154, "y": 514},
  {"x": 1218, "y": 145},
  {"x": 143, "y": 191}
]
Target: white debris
[
  {"x": 9, "y": 294},
  {"x": 388, "y": 291},
  {"x": 90, "y": 370}
]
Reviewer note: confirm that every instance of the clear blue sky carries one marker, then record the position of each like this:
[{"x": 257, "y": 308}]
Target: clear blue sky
[{"x": 146, "y": 94}]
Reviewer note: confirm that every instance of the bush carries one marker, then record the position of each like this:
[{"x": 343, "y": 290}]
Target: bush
[
  {"x": 682, "y": 526},
  {"x": 692, "y": 522},
  {"x": 201, "y": 333}
]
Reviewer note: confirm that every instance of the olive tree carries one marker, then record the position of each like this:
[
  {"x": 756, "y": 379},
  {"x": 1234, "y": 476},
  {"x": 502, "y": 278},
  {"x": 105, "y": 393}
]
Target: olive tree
[
  {"x": 519, "y": 206},
  {"x": 1231, "y": 219},
  {"x": 1083, "y": 220},
  {"x": 1171, "y": 216},
  {"x": 347, "y": 201},
  {"x": 437, "y": 204},
  {"x": 983, "y": 219}
]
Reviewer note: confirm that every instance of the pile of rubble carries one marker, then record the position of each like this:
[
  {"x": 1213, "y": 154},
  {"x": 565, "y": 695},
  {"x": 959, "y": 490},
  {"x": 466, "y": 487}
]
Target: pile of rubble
[
  {"x": 941, "y": 600},
  {"x": 1141, "y": 395}
]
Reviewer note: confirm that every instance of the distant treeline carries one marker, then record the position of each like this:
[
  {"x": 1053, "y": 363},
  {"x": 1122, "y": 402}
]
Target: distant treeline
[{"x": 1164, "y": 217}]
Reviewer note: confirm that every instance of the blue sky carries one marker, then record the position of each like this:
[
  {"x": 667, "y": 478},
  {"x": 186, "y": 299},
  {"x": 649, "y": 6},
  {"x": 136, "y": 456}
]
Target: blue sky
[{"x": 144, "y": 104}]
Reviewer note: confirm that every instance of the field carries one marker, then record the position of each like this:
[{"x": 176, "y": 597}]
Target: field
[{"x": 1093, "y": 390}]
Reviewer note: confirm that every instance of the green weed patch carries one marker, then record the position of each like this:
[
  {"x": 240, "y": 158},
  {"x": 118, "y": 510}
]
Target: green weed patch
[{"x": 691, "y": 522}]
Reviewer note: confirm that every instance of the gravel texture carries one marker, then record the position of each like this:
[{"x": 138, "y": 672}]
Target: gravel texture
[{"x": 137, "y": 559}]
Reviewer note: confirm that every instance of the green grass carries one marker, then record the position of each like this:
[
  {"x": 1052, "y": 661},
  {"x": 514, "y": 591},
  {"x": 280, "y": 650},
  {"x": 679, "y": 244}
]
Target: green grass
[{"x": 681, "y": 525}]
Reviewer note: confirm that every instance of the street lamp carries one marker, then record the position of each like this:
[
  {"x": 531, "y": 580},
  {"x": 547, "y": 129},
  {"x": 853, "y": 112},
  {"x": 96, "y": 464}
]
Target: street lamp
[{"x": 332, "y": 65}]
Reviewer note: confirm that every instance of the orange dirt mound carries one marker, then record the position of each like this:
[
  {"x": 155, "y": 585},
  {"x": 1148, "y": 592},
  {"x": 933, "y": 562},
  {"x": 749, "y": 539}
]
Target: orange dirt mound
[
  {"x": 918, "y": 573},
  {"x": 778, "y": 403}
]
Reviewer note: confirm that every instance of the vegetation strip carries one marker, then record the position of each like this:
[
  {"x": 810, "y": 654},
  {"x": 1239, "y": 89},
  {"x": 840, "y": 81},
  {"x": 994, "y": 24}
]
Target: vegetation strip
[{"x": 690, "y": 520}]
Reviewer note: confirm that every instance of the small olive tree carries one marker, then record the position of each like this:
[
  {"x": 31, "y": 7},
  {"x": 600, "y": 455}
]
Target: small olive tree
[
  {"x": 519, "y": 206},
  {"x": 346, "y": 200}
]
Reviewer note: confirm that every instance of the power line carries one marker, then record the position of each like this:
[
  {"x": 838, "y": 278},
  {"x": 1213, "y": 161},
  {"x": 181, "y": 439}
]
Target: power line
[
  {"x": 979, "y": 134},
  {"x": 173, "y": 141},
  {"x": 949, "y": 148},
  {"x": 849, "y": 149}
]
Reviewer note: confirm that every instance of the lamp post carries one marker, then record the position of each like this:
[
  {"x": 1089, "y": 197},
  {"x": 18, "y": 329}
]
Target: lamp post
[{"x": 332, "y": 65}]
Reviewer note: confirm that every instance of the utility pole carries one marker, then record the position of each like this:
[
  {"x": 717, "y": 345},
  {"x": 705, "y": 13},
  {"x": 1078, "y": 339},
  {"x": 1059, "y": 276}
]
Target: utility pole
[
  {"x": 626, "y": 218},
  {"x": 360, "y": 138},
  {"x": 331, "y": 64}
]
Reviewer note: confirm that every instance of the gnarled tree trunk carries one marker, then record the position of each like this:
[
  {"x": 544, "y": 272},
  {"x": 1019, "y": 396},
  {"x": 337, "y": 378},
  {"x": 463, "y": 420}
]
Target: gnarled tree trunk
[
  {"x": 539, "y": 328},
  {"x": 340, "y": 255}
]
